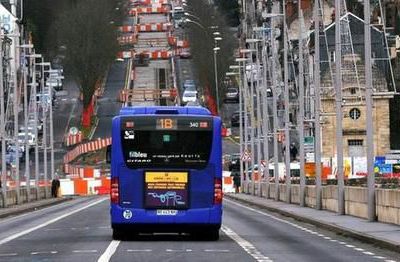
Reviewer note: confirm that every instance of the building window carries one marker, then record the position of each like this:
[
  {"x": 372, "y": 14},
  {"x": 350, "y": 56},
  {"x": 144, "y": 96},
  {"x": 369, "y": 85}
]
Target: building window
[
  {"x": 353, "y": 91},
  {"x": 355, "y": 142}
]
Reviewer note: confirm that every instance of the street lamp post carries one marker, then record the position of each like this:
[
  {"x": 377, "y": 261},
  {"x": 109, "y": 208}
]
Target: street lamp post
[
  {"x": 2, "y": 127},
  {"x": 242, "y": 72},
  {"x": 258, "y": 112},
  {"x": 44, "y": 115},
  {"x": 35, "y": 110}
]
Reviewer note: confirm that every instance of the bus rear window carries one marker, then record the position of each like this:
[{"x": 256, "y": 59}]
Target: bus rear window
[{"x": 175, "y": 147}]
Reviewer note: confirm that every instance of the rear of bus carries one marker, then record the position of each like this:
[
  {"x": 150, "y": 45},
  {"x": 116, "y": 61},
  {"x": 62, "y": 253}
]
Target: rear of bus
[{"x": 166, "y": 171}]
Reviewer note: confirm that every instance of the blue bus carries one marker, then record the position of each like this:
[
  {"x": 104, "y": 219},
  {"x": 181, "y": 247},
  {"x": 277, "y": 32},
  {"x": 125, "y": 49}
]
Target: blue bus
[{"x": 166, "y": 171}]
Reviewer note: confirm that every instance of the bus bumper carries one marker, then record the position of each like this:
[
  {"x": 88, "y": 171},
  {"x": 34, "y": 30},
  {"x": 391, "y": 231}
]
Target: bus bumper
[{"x": 182, "y": 221}]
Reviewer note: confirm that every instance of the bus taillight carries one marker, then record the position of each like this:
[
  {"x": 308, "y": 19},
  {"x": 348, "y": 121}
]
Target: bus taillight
[
  {"x": 114, "y": 192},
  {"x": 217, "y": 191}
]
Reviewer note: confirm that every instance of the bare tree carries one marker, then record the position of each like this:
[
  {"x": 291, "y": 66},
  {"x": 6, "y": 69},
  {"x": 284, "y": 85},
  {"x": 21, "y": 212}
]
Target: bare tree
[{"x": 88, "y": 33}]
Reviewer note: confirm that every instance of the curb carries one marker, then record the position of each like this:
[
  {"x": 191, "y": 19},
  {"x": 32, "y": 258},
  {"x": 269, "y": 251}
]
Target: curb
[
  {"x": 33, "y": 207},
  {"x": 331, "y": 227}
]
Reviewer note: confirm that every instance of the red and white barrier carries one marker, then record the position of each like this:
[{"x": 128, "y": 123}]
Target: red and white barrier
[
  {"x": 127, "y": 29},
  {"x": 85, "y": 186},
  {"x": 127, "y": 39},
  {"x": 150, "y": 2},
  {"x": 148, "y": 10},
  {"x": 84, "y": 148},
  {"x": 155, "y": 55},
  {"x": 73, "y": 139},
  {"x": 227, "y": 182},
  {"x": 153, "y": 27},
  {"x": 173, "y": 41}
]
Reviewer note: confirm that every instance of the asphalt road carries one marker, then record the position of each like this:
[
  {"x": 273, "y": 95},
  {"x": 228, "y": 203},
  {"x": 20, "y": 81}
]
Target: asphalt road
[{"x": 79, "y": 230}]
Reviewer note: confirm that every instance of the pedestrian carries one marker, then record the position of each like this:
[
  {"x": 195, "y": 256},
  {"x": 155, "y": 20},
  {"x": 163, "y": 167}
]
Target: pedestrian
[
  {"x": 236, "y": 180},
  {"x": 293, "y": 152},
  {"x": 55, "y": 185}
]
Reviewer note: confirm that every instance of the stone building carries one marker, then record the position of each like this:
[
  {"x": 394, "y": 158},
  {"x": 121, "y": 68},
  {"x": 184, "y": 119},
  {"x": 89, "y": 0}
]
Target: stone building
[{"x": 353, "y": 91}]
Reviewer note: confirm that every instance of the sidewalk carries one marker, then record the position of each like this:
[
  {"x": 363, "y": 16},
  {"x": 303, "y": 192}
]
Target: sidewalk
[
  {"x": 381, "y": 234},
  {"x": 34, "y": 205}
]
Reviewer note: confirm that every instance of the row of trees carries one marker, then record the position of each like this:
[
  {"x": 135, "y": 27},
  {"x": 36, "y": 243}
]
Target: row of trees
[
  {"x": 211, "y": 20},
  {"x": 83, "y": 33}
]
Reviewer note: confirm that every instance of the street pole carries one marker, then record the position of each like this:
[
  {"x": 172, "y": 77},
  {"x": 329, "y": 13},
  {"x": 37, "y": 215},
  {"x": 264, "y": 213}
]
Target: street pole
[
  {"x": 286, "y": 98},
  {"x": 44, "y": 138},
  {"x": 369, "y": 112},
  {"x": 216, "y": 78},
  {"x": 275, "y": 112},
  {"x": 27, "y": 145},
  {"x": 35, "y": 110},
  {"x": 2, "y": 128},
  {"x": 301, "y": 109},
  {"x": 252, "y": 146},
  {"x": 241, "y": 125},
  {"x": 266, "y": 115},
  {"x": 246, "y": 121},
  {"x": 258, "y": 93},
  {"x": 317, "y": 123},
  {"x": 339, "y": 117},
  {"x": 16, "y": 112},
  {"x": 51, "y": 134}
]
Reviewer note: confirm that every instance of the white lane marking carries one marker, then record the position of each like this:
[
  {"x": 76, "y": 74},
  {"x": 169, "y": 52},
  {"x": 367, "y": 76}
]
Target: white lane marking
[
  {"x": 85, "y": 251},
  {"x": 105, "y": 257},
  {"x": 139, "y": 250},
  {"x": 246, "y": 245},
  {"x": 217, "y": 250},
  {"x": 304, "y": 229},
  {"x": 52, "y": 229},
  {"x": 379, "y": 257},
  {"x": 8, "y": 254},
  {"x": 104, "y": 227},
  {"x": 179, "y": 250},
  {"x": 44, "y": 252},
  {"x": 17, "y": 235}
]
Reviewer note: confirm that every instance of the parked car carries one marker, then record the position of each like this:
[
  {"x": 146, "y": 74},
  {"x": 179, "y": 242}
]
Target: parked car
[
  {"x": 232, "y": 94},
  {"x": 189, "y": 96},
  {"x": 235, "y": 118}
]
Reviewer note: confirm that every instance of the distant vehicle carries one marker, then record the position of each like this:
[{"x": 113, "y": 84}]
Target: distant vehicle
[
  {"x": 189, "y": 96},
  {"x": 31, "y": 139},
  {"x": 56, "y": 84},
  {"x": 235, "y": 118},
  {"x": 178, "y": 15},
  {"x": 11, "y": 154},
  {"x": 232, "y": 94},
  {"x": 193, "y": 103},
  {"x": 166, "y": 172},
  {"x": 185, "y": 53},
  {"x": 189, "y": 85}
]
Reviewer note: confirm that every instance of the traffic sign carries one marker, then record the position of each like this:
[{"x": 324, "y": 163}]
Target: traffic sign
[
  {"x": 73, "y": 131},
  {"x": 309, "y": 144},
  {"x": 245, "y": 156}
]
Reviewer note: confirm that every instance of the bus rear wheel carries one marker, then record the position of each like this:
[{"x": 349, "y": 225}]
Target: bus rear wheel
[
  {"x": 118, "y": 234},
  {"x": 210, "y": 235}
]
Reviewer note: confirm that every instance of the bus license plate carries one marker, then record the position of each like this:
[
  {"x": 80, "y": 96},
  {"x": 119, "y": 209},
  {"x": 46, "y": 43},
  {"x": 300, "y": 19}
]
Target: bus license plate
[{"x": 166, "y": 212}]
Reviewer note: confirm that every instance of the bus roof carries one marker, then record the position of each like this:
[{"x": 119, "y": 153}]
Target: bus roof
[{"x": 164, "y": 110}]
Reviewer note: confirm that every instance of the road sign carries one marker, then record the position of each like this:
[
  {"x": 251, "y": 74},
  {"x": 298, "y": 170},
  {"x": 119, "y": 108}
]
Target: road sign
[
  {"x": 245, "y": 156},
  {"x": 263, "y": 163},
  {"x": 73, "y": 131},
  {"x": 309, "y": 144}
]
